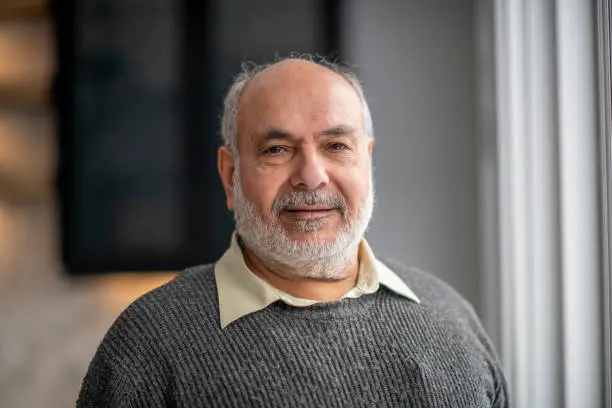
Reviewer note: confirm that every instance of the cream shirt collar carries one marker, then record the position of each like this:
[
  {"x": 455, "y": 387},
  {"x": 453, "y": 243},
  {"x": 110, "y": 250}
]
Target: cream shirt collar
[{"x": 241, "y": 292}]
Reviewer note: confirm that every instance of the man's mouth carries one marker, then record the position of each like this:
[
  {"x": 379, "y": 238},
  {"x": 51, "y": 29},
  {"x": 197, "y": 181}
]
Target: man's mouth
[
  {"x": 309, "y": 212},
  {"x": 310, "y": 208}
]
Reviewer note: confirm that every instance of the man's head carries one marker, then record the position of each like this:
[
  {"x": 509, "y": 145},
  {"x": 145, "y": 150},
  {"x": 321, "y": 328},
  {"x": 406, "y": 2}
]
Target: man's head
[{"x": 296, "y": 165}]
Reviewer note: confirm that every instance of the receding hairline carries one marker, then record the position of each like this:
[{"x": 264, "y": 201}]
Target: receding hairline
[
  {"x": 251, "y": 71},
  {"x": 269, "y": 70},
  {"x": 293, "y": 61}
]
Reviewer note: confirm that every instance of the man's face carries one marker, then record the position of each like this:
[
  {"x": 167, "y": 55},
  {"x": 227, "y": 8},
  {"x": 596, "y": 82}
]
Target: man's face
[{"x": 303, "y": 179}]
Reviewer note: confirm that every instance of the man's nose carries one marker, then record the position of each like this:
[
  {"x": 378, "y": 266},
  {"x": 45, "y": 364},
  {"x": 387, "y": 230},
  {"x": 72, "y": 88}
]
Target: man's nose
[{"x": 310, "y": 172}]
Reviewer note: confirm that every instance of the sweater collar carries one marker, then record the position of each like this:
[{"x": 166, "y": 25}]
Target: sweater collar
[{"x": 241, "y": 292}]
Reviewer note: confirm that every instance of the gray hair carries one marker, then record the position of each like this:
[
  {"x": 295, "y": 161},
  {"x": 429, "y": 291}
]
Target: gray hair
[{"x": 229, "y": 119}]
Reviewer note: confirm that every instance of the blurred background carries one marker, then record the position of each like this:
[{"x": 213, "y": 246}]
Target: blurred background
[{"x": 109, "y": 114}]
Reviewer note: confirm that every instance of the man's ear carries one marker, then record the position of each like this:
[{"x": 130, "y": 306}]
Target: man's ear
[
  {"x": 225, "y": 165},
  {"x": 370, "y": 146}
]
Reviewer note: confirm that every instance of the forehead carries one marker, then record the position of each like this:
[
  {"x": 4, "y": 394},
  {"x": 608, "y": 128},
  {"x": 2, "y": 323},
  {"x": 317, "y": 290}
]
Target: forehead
[{"x": 299, "y": 97}]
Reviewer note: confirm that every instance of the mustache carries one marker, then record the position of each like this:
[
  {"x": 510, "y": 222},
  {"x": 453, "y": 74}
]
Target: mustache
[{"x": 325, "y": 198}]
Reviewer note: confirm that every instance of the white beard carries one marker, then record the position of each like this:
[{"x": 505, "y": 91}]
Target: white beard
[{"x": 270, "y": 241}]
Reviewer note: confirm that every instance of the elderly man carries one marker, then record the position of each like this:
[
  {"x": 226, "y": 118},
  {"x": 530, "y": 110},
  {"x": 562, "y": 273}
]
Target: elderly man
[{"x": 298, "y": 311}]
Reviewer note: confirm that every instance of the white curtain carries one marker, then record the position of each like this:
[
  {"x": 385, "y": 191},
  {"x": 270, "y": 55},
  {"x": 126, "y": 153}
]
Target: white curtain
[{"x": 543, "y": 286}]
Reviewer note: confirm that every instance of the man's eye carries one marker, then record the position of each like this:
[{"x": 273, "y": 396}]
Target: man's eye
[
  {"x": 275, "y": 150},
  {"x": 337, "y": 146}
]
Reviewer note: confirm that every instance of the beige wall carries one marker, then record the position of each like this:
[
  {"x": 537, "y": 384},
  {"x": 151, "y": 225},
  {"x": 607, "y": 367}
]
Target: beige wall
[{"x": 50, "y": 325}]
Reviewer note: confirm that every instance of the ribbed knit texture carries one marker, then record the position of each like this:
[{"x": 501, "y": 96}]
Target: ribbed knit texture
[{"x": 380, "y": 350}]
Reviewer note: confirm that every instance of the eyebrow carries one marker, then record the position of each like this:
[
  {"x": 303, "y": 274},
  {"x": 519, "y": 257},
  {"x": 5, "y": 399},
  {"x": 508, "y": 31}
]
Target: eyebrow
[
  {"x": 279, "y": 134},
  {"x": 338, "y": 131},
  {"x": 275, "y": 134}
]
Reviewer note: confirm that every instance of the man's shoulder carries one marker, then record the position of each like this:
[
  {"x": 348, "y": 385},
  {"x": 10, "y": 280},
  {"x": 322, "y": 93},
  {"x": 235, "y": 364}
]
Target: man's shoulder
[
  {"x": 141, "y": 343},
  {"x": 432, "y": 291},
  {"x": 455, "y": 313},
  {"x": 443, "y": 302},
  {"x": 190, "y": 296}
]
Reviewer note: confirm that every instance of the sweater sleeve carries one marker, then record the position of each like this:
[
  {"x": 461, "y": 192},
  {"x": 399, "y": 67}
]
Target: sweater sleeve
[
  {"x": 106, "y": 385},
  {"x": 128, "y": 367},
  {"x": 501, "y": 393},
  {"x": 440, "y": 296},
  {"x": 500, "y": 397},
  {"x": 122, "y": 380}
]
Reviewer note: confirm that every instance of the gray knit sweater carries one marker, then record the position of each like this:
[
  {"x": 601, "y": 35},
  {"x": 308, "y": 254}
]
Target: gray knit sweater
[{"x": 381, "y": 350}]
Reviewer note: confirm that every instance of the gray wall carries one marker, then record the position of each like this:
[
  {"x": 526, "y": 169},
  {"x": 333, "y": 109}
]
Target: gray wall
[{"x": 417, "y": 61}]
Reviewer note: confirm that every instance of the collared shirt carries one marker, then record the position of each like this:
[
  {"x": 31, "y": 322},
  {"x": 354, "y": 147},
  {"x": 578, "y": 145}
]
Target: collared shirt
[{"x": 242, "y": 292}]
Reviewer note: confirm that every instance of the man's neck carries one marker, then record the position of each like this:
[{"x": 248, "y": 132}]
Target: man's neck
[{"x": 288, "y": 281}]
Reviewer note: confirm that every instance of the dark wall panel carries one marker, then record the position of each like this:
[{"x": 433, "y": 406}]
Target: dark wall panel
[{"x": 138, "y": 97}]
